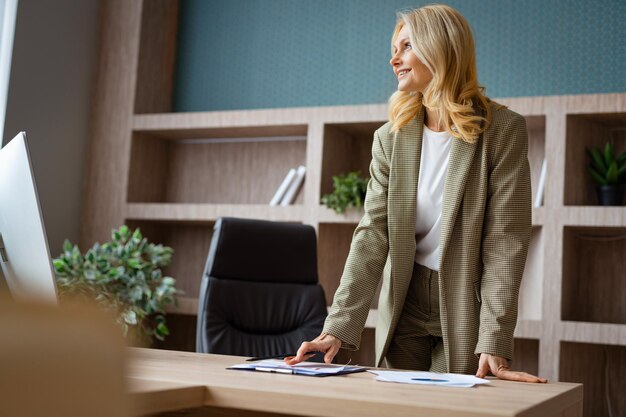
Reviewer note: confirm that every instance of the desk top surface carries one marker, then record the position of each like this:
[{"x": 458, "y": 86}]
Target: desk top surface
[{"x": 201, "y": 379}]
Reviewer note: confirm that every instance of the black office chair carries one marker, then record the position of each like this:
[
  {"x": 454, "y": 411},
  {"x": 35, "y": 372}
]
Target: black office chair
[{"x": 259, "y": 294}]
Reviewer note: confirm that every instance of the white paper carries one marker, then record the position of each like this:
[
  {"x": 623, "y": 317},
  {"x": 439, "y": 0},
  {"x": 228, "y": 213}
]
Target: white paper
[
  {"x": 429, "y": 378},
  {"x": 312, "y": 368}
]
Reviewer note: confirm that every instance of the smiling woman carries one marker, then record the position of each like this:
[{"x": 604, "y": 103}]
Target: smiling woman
[
  {"x": 447, "y": 215},
  {"x": 412, "y": 74}
]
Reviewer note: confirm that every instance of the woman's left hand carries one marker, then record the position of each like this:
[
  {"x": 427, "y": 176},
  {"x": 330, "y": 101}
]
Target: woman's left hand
[{"x": 499, "y": 367}]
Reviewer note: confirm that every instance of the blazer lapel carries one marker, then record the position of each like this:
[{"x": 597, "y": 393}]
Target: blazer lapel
[
  {"x": 403, "y": 204},
  {"x": 459, "y": 163}
]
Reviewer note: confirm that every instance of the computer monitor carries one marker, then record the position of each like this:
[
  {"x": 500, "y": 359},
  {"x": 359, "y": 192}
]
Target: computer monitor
[{"x": 24, "y": 252}]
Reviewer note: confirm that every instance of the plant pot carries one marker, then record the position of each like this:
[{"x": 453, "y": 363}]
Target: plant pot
[{"x": 610, "y": 195}]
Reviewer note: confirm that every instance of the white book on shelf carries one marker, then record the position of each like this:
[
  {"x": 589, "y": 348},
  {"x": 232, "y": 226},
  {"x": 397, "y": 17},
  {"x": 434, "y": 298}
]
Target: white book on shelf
[
  {"x": 282, "y": 188},
  {"x": 294, "y": 187},
  {"x": 541, "y": 186}
]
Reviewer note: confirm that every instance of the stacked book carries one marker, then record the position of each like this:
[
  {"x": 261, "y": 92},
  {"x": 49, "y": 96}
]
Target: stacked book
[{"x": 289, "y": 188}]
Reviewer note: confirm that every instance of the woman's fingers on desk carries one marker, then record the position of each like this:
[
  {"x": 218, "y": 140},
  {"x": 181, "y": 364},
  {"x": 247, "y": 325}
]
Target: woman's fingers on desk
[
  {"x": 323, "y": 343},
  {"x": 519, "y": 376},
  {"x": 499, "y": 367}
]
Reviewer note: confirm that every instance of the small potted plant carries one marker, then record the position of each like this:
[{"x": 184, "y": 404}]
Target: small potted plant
[
  {"x": 349, "y": 191},
  {"x": 124, "y": 277},
  {"x": 609, "y": 173}
]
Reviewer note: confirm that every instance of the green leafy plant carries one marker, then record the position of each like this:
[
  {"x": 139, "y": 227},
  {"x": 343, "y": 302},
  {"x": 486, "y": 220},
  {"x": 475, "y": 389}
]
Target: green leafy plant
[
  {"x": 349, "y": 190},
  {"x": 124, "y": 277},
  {"x": 605, "y": 168}
]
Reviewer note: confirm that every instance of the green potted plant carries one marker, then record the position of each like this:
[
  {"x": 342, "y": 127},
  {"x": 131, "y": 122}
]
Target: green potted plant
[
  {"x": 609, "y": 173},
  {"x": 349, "y": 191},
  {"x": 124, "y": 277}
]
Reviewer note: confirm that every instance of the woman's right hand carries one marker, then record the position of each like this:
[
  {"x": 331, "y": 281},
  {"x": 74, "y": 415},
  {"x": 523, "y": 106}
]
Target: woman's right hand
[{"x": 323, "y": 343}]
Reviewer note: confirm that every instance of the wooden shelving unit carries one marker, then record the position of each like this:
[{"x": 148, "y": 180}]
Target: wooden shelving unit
[{"x": 174, "y": 174}]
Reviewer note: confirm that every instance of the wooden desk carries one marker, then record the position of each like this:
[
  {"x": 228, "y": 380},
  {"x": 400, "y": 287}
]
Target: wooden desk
[{"x": 163, "y": 381}]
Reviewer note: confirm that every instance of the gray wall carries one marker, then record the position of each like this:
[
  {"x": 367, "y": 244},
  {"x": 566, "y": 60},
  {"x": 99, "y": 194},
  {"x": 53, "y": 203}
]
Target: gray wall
[{"x": 50, "y": 93}]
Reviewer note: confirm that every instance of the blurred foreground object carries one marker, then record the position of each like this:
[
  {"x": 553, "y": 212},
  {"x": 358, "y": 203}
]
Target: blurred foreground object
[{"x": 60, "y": 362}]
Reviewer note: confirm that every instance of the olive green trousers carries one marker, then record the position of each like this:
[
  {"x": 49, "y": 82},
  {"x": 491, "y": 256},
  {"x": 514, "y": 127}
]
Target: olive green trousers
[{"x": 417, "y": 343}]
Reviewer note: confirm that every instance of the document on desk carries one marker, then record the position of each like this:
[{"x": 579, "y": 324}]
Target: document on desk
[
  {"x": 303, "y": 368},
  {"x": 429, "y": 378}
]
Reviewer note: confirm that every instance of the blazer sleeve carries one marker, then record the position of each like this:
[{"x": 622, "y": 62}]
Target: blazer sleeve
[
  {"x": 506, "y": 236},
  {"x": 367, "y": 256}
]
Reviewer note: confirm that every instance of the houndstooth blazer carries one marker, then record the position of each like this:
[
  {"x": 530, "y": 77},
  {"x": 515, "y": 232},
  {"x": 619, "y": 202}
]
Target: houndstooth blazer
[{"x": 485, "y": 233}]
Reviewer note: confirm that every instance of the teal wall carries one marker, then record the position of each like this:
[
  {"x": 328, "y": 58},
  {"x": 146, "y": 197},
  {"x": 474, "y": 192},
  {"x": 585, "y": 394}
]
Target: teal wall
[{"x": 248, "y": 54}]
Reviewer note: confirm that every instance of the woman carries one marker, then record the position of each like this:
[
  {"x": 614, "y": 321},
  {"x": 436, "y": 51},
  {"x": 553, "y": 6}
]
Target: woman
[{"x": 447, "y": 218}]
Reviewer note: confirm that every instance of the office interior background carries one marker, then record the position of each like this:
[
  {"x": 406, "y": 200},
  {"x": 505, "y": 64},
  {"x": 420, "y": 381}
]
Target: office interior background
[{"x": 241, "y": 55}]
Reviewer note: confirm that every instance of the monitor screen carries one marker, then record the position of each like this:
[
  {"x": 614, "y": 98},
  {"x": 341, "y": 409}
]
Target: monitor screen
[{"x": 24, "y": 253}]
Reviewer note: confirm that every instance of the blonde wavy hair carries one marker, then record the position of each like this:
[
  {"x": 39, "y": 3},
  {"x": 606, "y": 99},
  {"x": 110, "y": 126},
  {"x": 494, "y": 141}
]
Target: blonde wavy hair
[{"x": 442, "y": 40}]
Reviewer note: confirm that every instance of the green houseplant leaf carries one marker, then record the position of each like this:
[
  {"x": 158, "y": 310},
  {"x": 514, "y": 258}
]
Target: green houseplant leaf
[
  {"x": 605, "y": 167},
  {"x": 349, "y": 191},
  {"x": 124, "y": 277}
]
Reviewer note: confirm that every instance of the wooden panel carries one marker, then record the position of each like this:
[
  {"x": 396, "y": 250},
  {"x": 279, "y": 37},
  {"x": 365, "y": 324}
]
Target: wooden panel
[
  {"x": 594, "y": 260},
  {"x": 157, "y": 53},
  {"x": 588, "y": 131},
  {"x": 526, "y": 356},
  {"x": 601, "y": 370},
  {"x": 609, "y": 216},
  {"x": 109, "y": 143},
  {"x": 148, "y": 169},
  {"x": 602, "y": 333}
]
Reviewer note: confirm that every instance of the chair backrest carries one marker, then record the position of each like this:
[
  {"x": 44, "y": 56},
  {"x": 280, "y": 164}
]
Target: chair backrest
[{"x": 259, "y": 294}]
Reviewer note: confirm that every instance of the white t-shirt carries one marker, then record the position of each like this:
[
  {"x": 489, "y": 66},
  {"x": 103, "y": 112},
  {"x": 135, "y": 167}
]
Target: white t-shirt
[{"x": 432, "y": 175}]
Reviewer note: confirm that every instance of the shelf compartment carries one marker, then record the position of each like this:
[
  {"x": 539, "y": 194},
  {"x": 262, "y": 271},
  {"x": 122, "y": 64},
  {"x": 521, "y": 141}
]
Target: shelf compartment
[
  {"x": 526, "y": 355},
  {"x": 531, "y": 289},
  {"x": 594, "y": 284},
  {"x": 182, "y": 335},
  {"x": 601, "y": 369},
  {"x": 587, "y": 131},
  {"x": 213, "y": 166},
  {"x": 347, "y": 147},
  {"x": 333, "y": 246}
]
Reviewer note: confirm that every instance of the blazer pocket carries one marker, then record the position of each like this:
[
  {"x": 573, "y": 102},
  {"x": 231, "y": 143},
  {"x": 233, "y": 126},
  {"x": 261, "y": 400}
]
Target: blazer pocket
[{"x": 477, "y": 291}]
